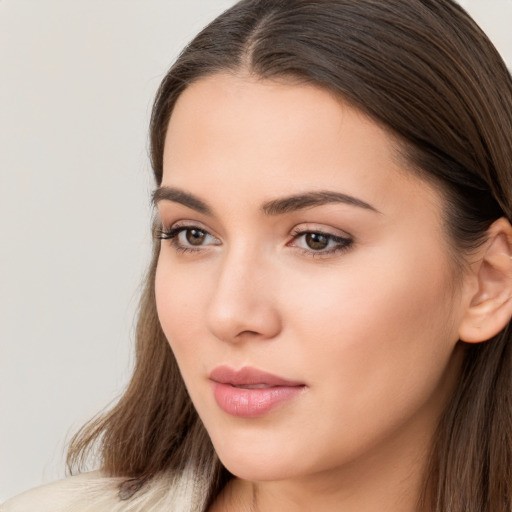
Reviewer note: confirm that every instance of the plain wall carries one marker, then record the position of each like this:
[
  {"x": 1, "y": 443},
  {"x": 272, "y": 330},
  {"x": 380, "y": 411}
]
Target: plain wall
[{"x": 77, "y": 80}]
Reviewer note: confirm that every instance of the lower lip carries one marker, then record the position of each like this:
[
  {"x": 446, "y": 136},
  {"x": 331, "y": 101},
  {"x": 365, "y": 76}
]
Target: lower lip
[{"x": 252, "y": 403}]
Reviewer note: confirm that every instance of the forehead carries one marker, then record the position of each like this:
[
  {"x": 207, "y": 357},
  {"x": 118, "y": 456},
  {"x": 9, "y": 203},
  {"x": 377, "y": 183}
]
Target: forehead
[{"x": 247, "y": 136}]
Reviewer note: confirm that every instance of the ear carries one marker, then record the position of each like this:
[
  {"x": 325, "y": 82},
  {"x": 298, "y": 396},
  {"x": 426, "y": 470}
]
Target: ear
[{"x": 490, "y": 301}]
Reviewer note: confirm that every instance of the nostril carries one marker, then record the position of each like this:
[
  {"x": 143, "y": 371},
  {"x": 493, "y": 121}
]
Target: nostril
[{"x": 248, "y": 334}]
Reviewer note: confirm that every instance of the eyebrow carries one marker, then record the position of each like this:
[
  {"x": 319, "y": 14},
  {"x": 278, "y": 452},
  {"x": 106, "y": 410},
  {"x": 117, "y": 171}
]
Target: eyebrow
[
  {"x": 273, "y": 207},
  {"x": 310, "y": 200},
  {"x": 179, "y": 196}
]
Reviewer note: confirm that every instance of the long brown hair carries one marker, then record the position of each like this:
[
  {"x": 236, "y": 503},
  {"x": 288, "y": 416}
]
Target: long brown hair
[{"x": 426, "y": 72}]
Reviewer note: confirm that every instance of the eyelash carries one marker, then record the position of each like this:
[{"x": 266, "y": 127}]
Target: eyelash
[{"x": 342, "y": 243}]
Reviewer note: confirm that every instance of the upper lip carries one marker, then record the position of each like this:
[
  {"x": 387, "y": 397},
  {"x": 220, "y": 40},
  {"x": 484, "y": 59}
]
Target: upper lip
[{"x": 248, "y": 376}]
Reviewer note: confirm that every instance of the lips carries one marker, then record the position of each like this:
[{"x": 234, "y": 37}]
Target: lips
[{"x": 250, "y": 393}]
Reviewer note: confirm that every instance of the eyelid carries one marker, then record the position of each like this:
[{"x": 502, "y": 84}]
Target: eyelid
[
  {"x": 319, "y": 228},
  {"x": 167, "y": 226}
]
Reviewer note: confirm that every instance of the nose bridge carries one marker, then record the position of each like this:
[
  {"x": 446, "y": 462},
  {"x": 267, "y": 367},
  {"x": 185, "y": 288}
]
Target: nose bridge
[{"x": 243, "y": 302}]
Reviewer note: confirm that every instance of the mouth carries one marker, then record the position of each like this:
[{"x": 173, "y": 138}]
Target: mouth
[
  {"x": 252, "y": 386},
  {"x": 251, "y": 393},
  {"x": 249, "y": 378}
]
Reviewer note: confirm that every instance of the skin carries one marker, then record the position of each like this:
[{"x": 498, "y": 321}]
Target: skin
[{"x": 371, "y": 330}]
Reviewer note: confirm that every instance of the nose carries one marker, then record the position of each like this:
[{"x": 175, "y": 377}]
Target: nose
[{"x": 243, "y": 305}]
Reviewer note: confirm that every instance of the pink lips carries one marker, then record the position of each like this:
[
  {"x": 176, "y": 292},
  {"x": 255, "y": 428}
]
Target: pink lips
[{"x": 249, "y": 393}]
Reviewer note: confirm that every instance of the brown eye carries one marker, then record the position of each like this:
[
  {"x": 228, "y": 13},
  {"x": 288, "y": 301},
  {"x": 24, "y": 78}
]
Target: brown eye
[
  {"x": 195, "y": 236},
  {"x": 319, "y": 243},
  {"x": 188, "y": 239},
  {"x": 316, "y": 241}
]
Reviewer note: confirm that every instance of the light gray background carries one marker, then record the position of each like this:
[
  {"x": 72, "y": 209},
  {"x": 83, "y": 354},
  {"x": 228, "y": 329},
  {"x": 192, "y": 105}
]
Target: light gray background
[{"x": 76, "y": 84}]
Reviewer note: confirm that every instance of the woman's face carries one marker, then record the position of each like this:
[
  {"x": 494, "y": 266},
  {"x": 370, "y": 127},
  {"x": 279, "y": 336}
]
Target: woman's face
[{"x": 304, "y": 281}]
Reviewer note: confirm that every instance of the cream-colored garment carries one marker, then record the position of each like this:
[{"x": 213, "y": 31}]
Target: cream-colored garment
[
  {"x": 93, "y": 492},
  {"x": 79, "y": 493}
]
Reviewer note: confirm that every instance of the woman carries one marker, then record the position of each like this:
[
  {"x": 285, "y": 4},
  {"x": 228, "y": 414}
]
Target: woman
[{"x": 325, "y": 324}]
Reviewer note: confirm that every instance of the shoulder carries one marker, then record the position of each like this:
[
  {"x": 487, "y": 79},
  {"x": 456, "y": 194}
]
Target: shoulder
[
  {"x": 88, "y": 492},
  {"x": 94, "y": 492}
]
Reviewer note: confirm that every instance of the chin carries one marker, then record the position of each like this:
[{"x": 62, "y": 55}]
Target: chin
[
  {"x": 263, "y": 470},
  {"x": 260, "y": 460}
]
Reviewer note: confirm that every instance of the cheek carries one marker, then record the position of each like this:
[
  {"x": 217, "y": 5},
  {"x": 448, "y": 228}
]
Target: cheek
[
  {"x": 179, "y": 302},
  {"x": 376, "y": 345},
  {"x": 377, "y": 329}
]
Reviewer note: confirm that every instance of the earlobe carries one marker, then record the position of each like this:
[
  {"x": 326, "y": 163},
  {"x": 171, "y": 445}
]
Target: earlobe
[{"x": 490, "y": 306}]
